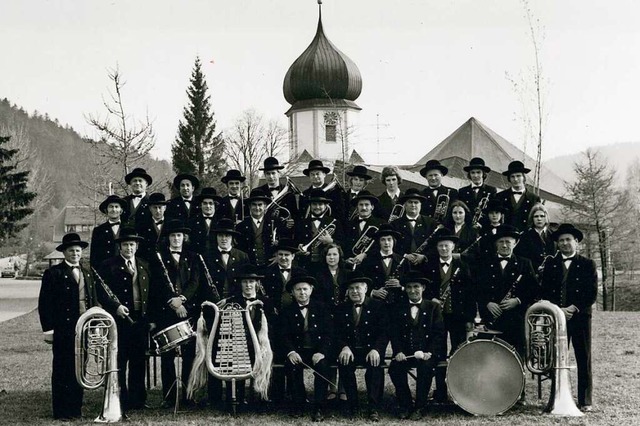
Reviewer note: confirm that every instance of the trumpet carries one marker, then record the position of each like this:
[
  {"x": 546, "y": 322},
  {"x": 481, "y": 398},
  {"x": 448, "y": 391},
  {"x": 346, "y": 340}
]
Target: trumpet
[
  {"x": 365, "y": 242},
  {"x": 315, "y": 241},
  {"x": 442, "y": 205},
  {"x": 96, "y": 360},
  {"x": 479, "y": 211},
  {"x": 396, "y": 212}
]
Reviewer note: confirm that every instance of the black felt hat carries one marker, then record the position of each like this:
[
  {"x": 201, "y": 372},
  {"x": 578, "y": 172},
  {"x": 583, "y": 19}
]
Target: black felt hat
[
  {"x": 186, "y": 176},
  {"x": 433, "y": 165},
  {"x": 476, "y": 163},
  {"x": 72, "y": 239},
  {"x": 233, "y": 174},
  {"x": 315, "y": 165},
  {"x": 138, "y": 172},
  {"x": 567, "y": 228},
  {"x": 516, "y": 167},
  {"x": 110, "y": 200}
]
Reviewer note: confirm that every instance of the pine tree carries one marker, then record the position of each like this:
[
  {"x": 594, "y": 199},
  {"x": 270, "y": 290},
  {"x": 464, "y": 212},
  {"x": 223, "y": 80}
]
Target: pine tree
[
  {"x": 196, "y": 149},
  {"x": 14, "y": 196}
]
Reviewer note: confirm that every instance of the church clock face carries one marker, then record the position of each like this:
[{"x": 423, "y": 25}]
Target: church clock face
[{"x": 331, "y": 120}]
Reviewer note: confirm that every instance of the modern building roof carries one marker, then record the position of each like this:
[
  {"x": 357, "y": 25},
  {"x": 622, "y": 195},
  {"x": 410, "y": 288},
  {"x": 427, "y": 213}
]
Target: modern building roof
[
  {"x": 322, "y": 73},
  {"x": 474, "y": 139}
]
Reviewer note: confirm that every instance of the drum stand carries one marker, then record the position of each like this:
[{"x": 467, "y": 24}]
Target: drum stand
[{"x": 177, "y": 383}]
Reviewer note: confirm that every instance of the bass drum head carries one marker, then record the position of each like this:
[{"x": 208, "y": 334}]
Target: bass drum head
[{"x": 485, "y": 376}]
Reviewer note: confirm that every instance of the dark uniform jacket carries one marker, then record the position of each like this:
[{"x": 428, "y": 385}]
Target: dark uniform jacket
[
  {"x": 373, "y": 267},
  {"x": 247, "y": 236},
  {"x": 137, "y": 216},
  {"x": 581, "y": 283},
  {"x": 153, "y": 240},
  {"x": 186, "y": 276},
  {"x": 493, "y": 285},
  {"x": 116, "y": 275},
  {"x": 535, "y": 247},
  {"x": 201, "y": 239},
  {"x": 429, "y": 206},
  {"x": 177, "y": 209},
  {"x": 329, "y": 292},
  {"x": 223, "y": 276},
  {"x": 517, "y": 214},
  {"x": 385, "y": 206},
  {"x": 412, "y": 239},
  {"x": 274, "y": 285},
  {"x": 471, "y": 198},
  {"x": 58, "y": 303},
  {"x": 103, "y": 245},
  {"x": 371, "y": 330},
  {"x": 305, "y": 232},
  {"x": 459, "y": 283},
  {"x": 467, "y": 236},
  {"x": 352, "y": 233},
  {"x": 226, "y": 209},
  {"x": 426, "y": 333},
  {"x": 319, "y": 329}
]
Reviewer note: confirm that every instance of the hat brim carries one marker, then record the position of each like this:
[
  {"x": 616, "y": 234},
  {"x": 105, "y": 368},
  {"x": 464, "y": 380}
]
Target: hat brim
[
  {"x": 372, "y": 198},
  {"x": 194, "y": 180},
  {"x": 63, "y": 246},
  {"x": 274, "y": 167},
  {"x": 136, "y": 238},
  {"x": 258, "y": 198},
  {"x": 226, "y": 179},
  {"x": 362, "y": 175},
  {"x": 477, "y": 167},
  {"x": 225, "y": 231},
  {"x": 297, "y": 280},
  {"x": 105, "y": 204},
  {"x": 575, "y": 232},
  {"x": 453, "y": 238},
  {"x": 511, "y": 234},
  {"x": 355, "y": 280},
  {"x": 128, "y": 178},
  {"x": 444, "y": 170},
  {"x": 290, "y": 249},
  {"x": 385, "y": 233},
  {"x": 306, "y": 172},
  {"x": 523, "y": 170},
  {"x": 404, "y": 198},
  {"x": 247, "y": 276},
  {"x": 182, "y": 230},
  {"x": 215, "y": 198},
  {"x": 422, "y": 281},
  {"x": 319, "y": 200}
]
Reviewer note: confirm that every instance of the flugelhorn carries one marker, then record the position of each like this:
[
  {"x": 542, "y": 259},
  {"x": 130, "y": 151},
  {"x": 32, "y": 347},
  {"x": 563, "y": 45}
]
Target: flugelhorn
[
  {"x": 96, "y": 360},
  {"x": 546, "y": 350},
  {"x": 365, "y": 242},
  {"x": 442, "y": 205},
  {"x": 315, "y": 241},
  {"x": 396, "y": 212}
]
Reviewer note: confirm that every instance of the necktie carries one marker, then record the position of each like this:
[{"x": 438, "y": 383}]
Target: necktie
[
  {"x": 130, "y": 267},
  {"x": 283, "y": 270},
  {"x": 250, "y": 299},
  {"x": 517, "y": 192},
  {"x": 137, "y": 196},
  {"x": 76, "y": 273},
  {"x": 225, "y": 252},
  {"x": 176, "y": 252},
  {"x": 356, "y": 313},
  {"x": 160, "y": 222},
  {"x": 388, "y": 256},
  {"x": 233, "y": 197},
  {"x": 444, "y": 264},
  {"x": 114, "y": 223}
]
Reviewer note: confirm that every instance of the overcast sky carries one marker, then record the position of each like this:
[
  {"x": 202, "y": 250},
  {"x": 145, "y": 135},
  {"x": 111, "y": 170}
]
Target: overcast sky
[{"x": 427, "y": 65}]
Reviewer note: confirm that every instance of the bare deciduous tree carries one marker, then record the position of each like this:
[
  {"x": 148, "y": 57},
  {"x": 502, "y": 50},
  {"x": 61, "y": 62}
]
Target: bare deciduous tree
[
  {"x": 250, "y": 141},
  {"x": 123, "y": 141},
  {"x": 531, "y": 88}
]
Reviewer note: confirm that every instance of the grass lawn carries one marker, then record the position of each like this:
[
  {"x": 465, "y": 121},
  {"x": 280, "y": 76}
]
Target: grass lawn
[{"x": 25, "y": 369}]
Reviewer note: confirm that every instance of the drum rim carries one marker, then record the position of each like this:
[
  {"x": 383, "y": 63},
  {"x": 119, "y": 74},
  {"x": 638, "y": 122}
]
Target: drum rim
[
  {"x": 502, "y": 343},
  {"x": 174, "y": 344},
  {"x": 173, "y": 326}
]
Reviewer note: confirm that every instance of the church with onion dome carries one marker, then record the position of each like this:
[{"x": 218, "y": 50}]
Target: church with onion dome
[{"x": 322, "y": 86}]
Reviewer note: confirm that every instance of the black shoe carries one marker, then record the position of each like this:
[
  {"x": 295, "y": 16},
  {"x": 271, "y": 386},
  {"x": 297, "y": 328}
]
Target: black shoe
[
  {"x": 296, "y": 413},
  {"x": 416, "y": 415},
  {"x": 352, "y": 413},
  {"x": 317, "y": 415},
  {"x": 404, "y": 414},
  {"x": 374, "y": 416},
  {"x": 166, "y": 404}
]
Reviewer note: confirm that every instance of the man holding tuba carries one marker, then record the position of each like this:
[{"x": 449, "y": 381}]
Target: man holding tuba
[
  {"x": 570, "y": 281},
  {"x": 67, "y": 292}
]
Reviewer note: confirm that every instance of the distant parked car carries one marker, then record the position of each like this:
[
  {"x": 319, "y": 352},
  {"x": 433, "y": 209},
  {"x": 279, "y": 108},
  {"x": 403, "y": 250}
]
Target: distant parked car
[{"x": 8, "y": 272}]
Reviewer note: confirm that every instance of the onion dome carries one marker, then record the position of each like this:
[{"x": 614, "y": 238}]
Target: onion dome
[{"x": 322, "y": 72}]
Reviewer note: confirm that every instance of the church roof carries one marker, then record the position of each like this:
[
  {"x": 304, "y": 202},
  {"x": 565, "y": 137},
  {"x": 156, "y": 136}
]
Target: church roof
[
  {"x": 322, "y": 72},
  {"x": 474, "y": 139}
]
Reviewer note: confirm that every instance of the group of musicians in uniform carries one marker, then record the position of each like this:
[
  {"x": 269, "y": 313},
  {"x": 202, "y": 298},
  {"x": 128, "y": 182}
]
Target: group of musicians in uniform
[{"x": 341, "y": 273}]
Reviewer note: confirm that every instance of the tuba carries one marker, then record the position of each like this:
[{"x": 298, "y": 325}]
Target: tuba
[
  {"x": 96, "y": 348},
  {"x": 547, "y": 349}
]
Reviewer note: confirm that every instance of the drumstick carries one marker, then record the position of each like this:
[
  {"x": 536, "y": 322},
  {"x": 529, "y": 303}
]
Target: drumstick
[{"x": 319, "y": 375}]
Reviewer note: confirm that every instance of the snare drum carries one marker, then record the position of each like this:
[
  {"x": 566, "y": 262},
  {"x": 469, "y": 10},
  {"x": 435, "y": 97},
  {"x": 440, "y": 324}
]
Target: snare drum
[
  {"x": 173, "y": 336},
  {"x": 485, "y": 376}
]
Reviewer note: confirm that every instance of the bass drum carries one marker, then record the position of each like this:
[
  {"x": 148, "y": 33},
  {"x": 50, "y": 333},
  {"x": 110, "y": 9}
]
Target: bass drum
[{"x": 485, "y": 376}]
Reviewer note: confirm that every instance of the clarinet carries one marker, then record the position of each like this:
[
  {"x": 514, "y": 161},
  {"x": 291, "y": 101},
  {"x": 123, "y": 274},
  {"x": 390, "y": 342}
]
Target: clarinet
[
  {"x": 214, "y": 289},
  {"x": 166, "y": 275},
  {"x": 447, "y": 291},
  {"x": 110, "y": 293},
  {"x": 509, "y": 294},
  {"x": 420, "y": 249}
]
